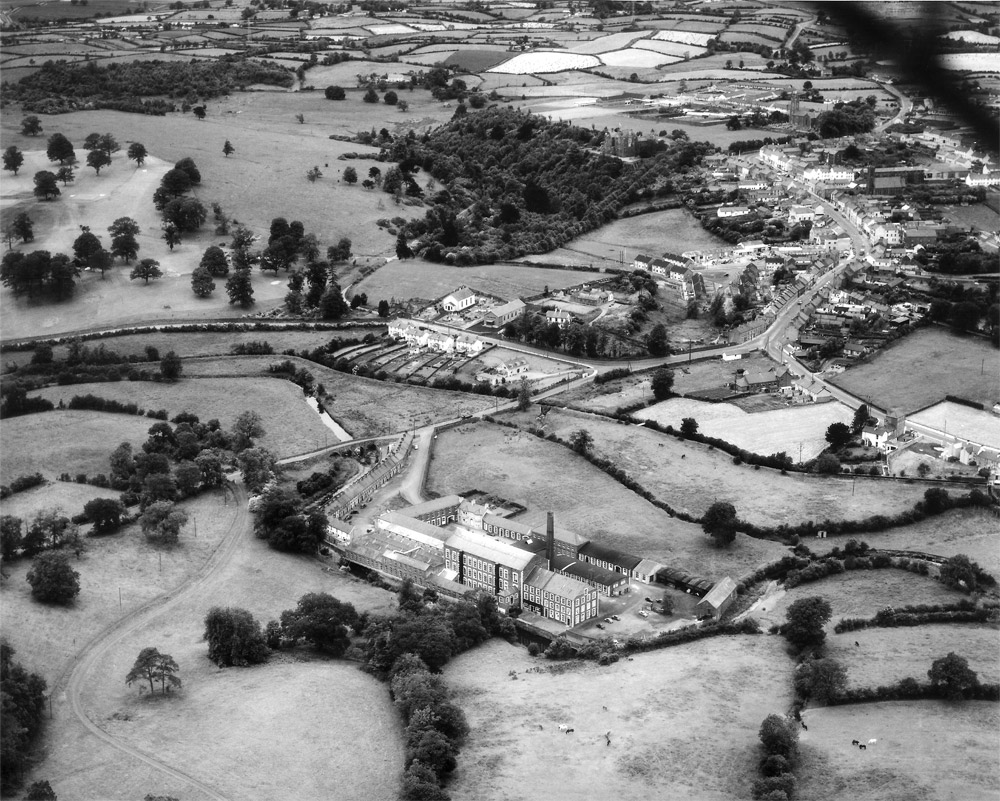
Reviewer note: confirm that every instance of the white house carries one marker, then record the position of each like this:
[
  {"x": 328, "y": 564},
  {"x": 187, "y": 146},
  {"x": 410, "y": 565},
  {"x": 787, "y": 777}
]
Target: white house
[
  {"x": 559, "y": 317},
  {"x": 797, "y": 214},
  {"x": 461, "y": 298},
  {"x": 732, "y": 211}
]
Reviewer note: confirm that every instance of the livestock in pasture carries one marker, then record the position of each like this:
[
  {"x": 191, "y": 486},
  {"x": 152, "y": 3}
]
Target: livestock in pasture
[
  {"x": 863, "y": 747},
  {"x": 855, "y": 742},
  {"x": 570, "y": 731},
  {"x": 872, "y": 742}
]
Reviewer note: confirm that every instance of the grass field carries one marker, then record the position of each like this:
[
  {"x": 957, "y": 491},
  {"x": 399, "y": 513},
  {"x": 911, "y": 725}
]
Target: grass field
[
  {"x": 679, "y": 472},
  {"x": 291, "y": 426},
  {"x": 71, "y": 442},
  {"x": 683, "y": 722},
  {"x": 861, "y": 593},
  {"x": 967, "y": 531},
  {"x": 365, "y": 407},
  {"x": 522, "y": 468},
  {"x": 799, "y": 431},
  {"x": 886, "y": 655},
  {"x": 928, "y": 750},
  {"x": 949, "y": 364},
  {"x": 64, "y": 496},
  {"x": 420, "y": 279}
]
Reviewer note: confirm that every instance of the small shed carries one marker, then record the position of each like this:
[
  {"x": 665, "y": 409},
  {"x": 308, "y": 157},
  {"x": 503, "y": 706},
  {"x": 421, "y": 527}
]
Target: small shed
[{"x": 719, "y": 598}]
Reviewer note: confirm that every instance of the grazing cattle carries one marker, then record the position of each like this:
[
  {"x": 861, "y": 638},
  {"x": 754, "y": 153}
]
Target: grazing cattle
[
  {"x": 855, "y": 742},
  {"x": 857, "y": 643},
  {"x": 570, "y": 731},
  {"x": 872, "y": 742},
  {"x": 804, "y": 726},
  {"x": 863, "y": 747},
  {"x": 563, "y": 727}
]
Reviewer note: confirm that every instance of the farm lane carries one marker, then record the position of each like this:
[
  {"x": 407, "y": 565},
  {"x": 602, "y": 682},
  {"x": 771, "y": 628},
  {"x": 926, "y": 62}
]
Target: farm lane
[{"x": 91, "y": 655}]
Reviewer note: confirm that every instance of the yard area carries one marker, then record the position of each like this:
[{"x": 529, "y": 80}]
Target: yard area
[
  {"x": 799, "y": 431},
  {"x": 291, "y": 426},
  {"x": 524, "y": 469},
  {"x": 428, "y": 281},
  {"x": 931, "y": 750},
  {"x": 690, "y": 477},
  {"x": 949, "y": 364},
  {"x": 56, "y": 442},
  {"x": 663, "y": 711}
]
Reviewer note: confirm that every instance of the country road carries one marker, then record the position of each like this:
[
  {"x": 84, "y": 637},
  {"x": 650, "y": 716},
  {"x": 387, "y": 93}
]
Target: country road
[{"x": 92, "y": 654}]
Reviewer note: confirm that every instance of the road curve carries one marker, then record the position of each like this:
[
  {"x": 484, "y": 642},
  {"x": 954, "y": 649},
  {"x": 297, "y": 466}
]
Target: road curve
[{"x": 122, "y": 628}]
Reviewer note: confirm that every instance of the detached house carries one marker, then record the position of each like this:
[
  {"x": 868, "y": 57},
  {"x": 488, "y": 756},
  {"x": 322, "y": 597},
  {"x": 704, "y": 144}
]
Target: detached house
[
  {"x": 461, "y": 298},
  {"x": 559, "y": 317},
  {"x": 499, "y": 316}
]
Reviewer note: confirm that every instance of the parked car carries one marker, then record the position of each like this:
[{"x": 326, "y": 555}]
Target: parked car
[
  {"x": 649, "y": 600},
  {"x": 600, "y": 626},
  {"x": 643, "y": 613},
  {"x": 608, "y": 620},
  {"x": 615, "y": 617}
]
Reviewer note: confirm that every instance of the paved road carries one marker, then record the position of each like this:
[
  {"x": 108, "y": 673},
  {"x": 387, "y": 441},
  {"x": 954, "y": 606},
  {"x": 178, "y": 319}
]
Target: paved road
[{"x": 91, "y": 656}]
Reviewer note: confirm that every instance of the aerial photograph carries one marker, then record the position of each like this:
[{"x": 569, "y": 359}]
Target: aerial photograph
[{"x": 499, "y": 400}]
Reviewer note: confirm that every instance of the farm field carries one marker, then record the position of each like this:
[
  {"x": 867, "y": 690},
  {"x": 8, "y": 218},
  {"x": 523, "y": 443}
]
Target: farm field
[
  {"x": 69, "y": 498},
  {"x": 659, "y": 748},
  {"x": 799, "y": 431},
  {"x": 886, "y": 655},
  {"x": 677, "y": 471},
  {"x": 861, "y": 593},
  {"x": 64, "y": 441},
  {"x": 363, "y": 406},
  {"x": 521, "y": 467},
  {"x": 967, "y": 531},
  {"x": 948, "y": 364},
  {"x": 420, "y": 279},
  {"x": 291, "y": 426},
  {"x": 931, "y": 750}
]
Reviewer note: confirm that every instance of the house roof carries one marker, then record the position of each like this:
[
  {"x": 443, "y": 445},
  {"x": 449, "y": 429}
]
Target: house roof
[
  {"x": 720, "y": 593},
  {"x": 511, "y": 525},
  {"x": 648, "y": 567},
  {"x": 486, "y": 547},
  {"x": 462, "y": 293},
  {"x": 511, "y": 306},
  {"x": 431, "y": 506},
  {"x": 587, "y": 572},
  {"x": 413, "y": 529},
  {"x": 605, "y": 554},
  {"x": 563, "y": 586}
]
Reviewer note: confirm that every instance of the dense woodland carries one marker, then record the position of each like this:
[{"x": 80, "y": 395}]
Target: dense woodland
[
  {"x": 513, "y": 183},
  {"x": 63, "y": 86}
]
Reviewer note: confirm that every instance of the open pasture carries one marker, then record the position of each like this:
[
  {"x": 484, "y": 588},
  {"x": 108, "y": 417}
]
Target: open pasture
[
  {"x": 969, "y": 531},
  {"x": 861, "y": 593},
  {"x": 677, "y": 472},
  {"x": 682, "y": 722},
  {"x": 961, "y": 366},
  {"x": 549, "y": 477},
  {"x": 931, "y": 750},
  {"x": 69, "y": 498},
  {"x": 885, "y": 655},
  {"x": 799, "y": 431},
  {"x": 56, "y": 442},
  {"x": 363, "y": 406},
  {"x": 291, "y": 426},
  {"x": 427, "y": 280}
]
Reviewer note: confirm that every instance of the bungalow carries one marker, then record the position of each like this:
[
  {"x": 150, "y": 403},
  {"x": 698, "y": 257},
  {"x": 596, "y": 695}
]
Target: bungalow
[
  {"x": 725, "y": 212},
  {"x": 499, "y": 316},
  {"x": 855, "y": 349},
  {"x": 559, "y": 317},
  {"x": 810, "y": 389},
  {"x": 719, "y": 598},
  {"x": 461, "y": 298},
  {"x": 593, "y": 297}
]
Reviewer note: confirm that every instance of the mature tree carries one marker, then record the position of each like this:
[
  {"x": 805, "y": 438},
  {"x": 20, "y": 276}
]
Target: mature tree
[
  {"x": 383, "y": 308},
  {"x": 215, "y": 262},
  {"x": 247, "y": 427},
  {"x": 31, "y": 126},
  {"x": 60, "y": 149},
  {"x": 11, "y": 536},
  {"x": 66, "y": 174},
  {"x": 656, "y": 341},
  {"x": 171, "y": 235},
  {"x": 13, "y": 159},
  {"x": 188, "y": 166},
  {"x": 321, "y": 620},
  {"x": 52, "y": 579},
  {"x": 228, "y": 149},
  {"x": 176, "y": 182},
  {"x": 860, "y": 418},
  {"x": 720, "y": 523},
  {"x": 341, "y": 251},
  {"x": 85, "y": 246},
  {"x": 827, "y": 464},
  {"x": 689, "y": 426},
  {"x": 152, "y": 666},
  {"x": 256, "y": 467},
  {"x": 524, "y": 395},
  {"x": 581, "y": 441},
  {"x": 965, "y": 316},
  {"x": 162, "y": 522},
  {"x": 137, "y": 153},
  {"x": 107, "y": 514},
  {"x": 838, "y": 435},
  {"x": 961, "y": 573},
  {"x": 390, "y": 98},
  {"x": 402, "y": 247},
  {"x": 23, "y": 228},
  {"x": 210, "y": 464},
  {"x": 186, "y": 213},
  {"x": 820, "y": 679},
  {"x": 21, "y": 714},
  {"x": 313, "y": 174},
  {"x": 952, "y": 676},
  {"x": 123, "y": 238},
  {"x": 199, "y": 112},
  {"x": 106, "y": 143},
  {"x": 332, "y": 305},
  {"x": 170, "y": 366},
  {"x": 234, "y": 637},
  {"x": 779, "y": 736},
  {"x": 146, "y": 269},
  {"x": 123, "y": 465},
  {"x": 371, "y": 96},
  {"x": 804, "y": 621},
  {"x": 45, "y": 185},
  {"x": 334, "y": 93},
  {"x": 662, "y": 383},
  {"x": 98, "y": 159},
  {"x": 239, "y": 288},
  {"x": 350, "y": 175},
  {"x": 201, "y": 282}
]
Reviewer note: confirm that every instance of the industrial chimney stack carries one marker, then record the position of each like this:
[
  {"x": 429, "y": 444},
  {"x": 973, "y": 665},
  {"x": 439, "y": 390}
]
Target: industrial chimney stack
[{"x": 550, "y": 540}]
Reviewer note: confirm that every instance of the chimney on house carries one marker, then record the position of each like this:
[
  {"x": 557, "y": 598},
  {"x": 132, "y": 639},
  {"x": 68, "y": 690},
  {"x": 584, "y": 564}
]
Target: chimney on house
[{"x": 550, "y": 540}]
